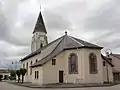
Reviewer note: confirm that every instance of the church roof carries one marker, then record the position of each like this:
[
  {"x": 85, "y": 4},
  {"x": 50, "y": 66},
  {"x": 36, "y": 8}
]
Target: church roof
[
  {"x": 64, "y": 43},
  {"x": 40, "y": 26}
]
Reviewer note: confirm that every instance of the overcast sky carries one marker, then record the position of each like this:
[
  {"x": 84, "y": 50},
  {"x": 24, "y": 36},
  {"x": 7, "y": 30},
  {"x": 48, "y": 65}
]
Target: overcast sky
[{"x": 96, "y": 21}]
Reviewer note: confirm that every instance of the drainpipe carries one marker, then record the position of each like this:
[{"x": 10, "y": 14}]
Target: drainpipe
[
  {"x": 107, "y": 73},
  {"x": 108, "y": 52}
]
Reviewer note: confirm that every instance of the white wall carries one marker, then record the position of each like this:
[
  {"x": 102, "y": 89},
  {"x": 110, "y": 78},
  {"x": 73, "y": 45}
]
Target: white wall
[
  {"x": 44, "y": 53},
  {"x": 107, "y": 73},
  {"x": 37, "y": 39},
  {"x": 93, "y": 78},
  {"x": 28, "y": 76},
  {"x": 38, "y": 81},
  {"x": 51, "y": 73}
]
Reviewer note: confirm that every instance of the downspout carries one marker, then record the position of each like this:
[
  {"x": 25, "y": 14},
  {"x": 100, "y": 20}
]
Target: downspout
[{"x": 107, "y": 73}]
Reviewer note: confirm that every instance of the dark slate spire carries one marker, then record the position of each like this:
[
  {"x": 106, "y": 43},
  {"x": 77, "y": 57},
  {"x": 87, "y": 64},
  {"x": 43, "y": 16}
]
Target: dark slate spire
[{"x": 40, "y": 26}]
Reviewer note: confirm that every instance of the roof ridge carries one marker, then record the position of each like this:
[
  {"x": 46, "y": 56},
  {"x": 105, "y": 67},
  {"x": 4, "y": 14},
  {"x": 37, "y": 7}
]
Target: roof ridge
[
  {"x": 76, "y": 40},
  {"x": 85, "y": 42}
]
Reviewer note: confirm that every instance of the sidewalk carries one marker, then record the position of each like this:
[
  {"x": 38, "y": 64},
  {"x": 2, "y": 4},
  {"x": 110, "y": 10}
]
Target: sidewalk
[{"x": 30, "y": 85}]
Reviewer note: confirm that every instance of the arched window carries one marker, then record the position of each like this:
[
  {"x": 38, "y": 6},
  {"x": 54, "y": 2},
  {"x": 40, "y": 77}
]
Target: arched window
[
  {"x": 31, "y": 68},
  {"x": 73, "y": 64},
  {"x": 93, "y": 63}
]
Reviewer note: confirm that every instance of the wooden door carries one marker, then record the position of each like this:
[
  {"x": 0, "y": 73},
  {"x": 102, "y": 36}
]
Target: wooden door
[{"x": 61, "y": 76}]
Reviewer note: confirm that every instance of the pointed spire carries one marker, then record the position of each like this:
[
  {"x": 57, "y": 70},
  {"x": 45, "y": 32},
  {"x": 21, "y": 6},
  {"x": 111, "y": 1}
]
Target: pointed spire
[{"x": 40, "y": 26}]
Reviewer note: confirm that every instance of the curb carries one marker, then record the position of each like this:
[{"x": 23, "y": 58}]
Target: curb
[{"x": 84, "y": 86}]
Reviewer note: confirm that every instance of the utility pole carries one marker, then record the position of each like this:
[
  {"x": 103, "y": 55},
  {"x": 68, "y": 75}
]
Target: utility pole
[{"x": 14, "y": 63}]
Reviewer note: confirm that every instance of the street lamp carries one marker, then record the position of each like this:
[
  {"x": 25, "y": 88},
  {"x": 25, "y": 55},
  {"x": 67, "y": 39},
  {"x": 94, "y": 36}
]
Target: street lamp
[{"x": 14, "y": 63}]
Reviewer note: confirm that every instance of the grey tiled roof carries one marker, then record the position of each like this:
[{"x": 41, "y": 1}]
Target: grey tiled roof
[
  {"x": 39, "y": 50},
  {"x": 40, "y": 26},
  {"x": 67, "y": 42}
]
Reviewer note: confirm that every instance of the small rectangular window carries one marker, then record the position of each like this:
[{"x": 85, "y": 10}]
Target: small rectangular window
[
  {"x": 23, "y": 65},
  {"x": 35, "y": 74},
  {"x": 53, "y": 61},
  {"x": 104, "y": 63}
]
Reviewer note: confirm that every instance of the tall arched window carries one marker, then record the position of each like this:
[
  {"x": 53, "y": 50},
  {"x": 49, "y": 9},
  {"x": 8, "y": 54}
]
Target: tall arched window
[
  {"x": 93, "y": 63},
  {"x": 73, "y": 64},
  {"x": 31, "y": 68}
]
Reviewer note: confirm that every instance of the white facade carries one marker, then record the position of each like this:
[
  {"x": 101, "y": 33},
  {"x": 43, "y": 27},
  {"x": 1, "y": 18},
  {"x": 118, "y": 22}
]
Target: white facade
[
  {"x": 39, "y": 40},
  {"x": 107, "y": 72},
  {"x": 60, "y": 50},
  {"x": 49, "y": 73}
]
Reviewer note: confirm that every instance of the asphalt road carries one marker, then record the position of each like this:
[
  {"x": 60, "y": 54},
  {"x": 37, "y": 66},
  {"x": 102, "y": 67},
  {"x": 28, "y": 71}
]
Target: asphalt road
[{"x": 7, "y": 86}]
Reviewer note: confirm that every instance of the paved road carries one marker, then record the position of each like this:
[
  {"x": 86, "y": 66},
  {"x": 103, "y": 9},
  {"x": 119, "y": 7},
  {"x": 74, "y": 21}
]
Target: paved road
[{"x": 6, "y": 86}]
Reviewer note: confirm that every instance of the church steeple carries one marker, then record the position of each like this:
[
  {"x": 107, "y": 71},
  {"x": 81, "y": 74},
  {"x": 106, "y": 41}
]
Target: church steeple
[
  {"x": 39, "y": 38},
  {"x": 40, "y": 26}
]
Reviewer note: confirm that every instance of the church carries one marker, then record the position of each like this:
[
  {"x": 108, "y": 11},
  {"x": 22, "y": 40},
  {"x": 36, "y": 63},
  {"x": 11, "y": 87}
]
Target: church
[{"x": 64, "y": 60}]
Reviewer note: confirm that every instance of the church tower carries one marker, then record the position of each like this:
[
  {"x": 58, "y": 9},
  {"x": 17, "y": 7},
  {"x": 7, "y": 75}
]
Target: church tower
[{"x": 39, "y": 38}]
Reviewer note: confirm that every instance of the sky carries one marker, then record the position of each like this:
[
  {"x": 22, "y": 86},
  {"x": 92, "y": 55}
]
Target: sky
[{"x": 96, "y": 21}]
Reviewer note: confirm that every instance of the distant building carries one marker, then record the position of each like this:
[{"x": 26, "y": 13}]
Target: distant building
[
  {"x": 64, "y": 60},
  {"x": 5, "y": 72},
  {"x": 115, "y": 60}
]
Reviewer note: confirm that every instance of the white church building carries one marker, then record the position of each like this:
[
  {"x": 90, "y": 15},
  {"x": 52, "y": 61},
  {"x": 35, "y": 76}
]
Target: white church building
[{"x": 64, "y": 60}]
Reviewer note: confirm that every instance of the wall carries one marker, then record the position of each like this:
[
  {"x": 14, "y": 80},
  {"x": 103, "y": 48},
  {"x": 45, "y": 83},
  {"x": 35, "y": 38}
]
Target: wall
[
  {"x": 37, "y": 39},
  {"x": 38, "y": 81},
  {"x": 51, "y": 73},
  {"x": 116, "y": 63},
  {"x": 93, "y": 78},
  {"x": 44, "y": 52},
  {"x": 107, "y": 68},
  {"x": 27, "y": 77}
]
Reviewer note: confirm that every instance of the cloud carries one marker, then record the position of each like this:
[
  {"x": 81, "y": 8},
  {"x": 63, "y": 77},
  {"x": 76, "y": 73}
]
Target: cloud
[
  {"x": 92, "y": 20},
  {"x": 55, "y": 21},
  {"x": 105, "y": 23},
  {"x": 11, "y": 47}
]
